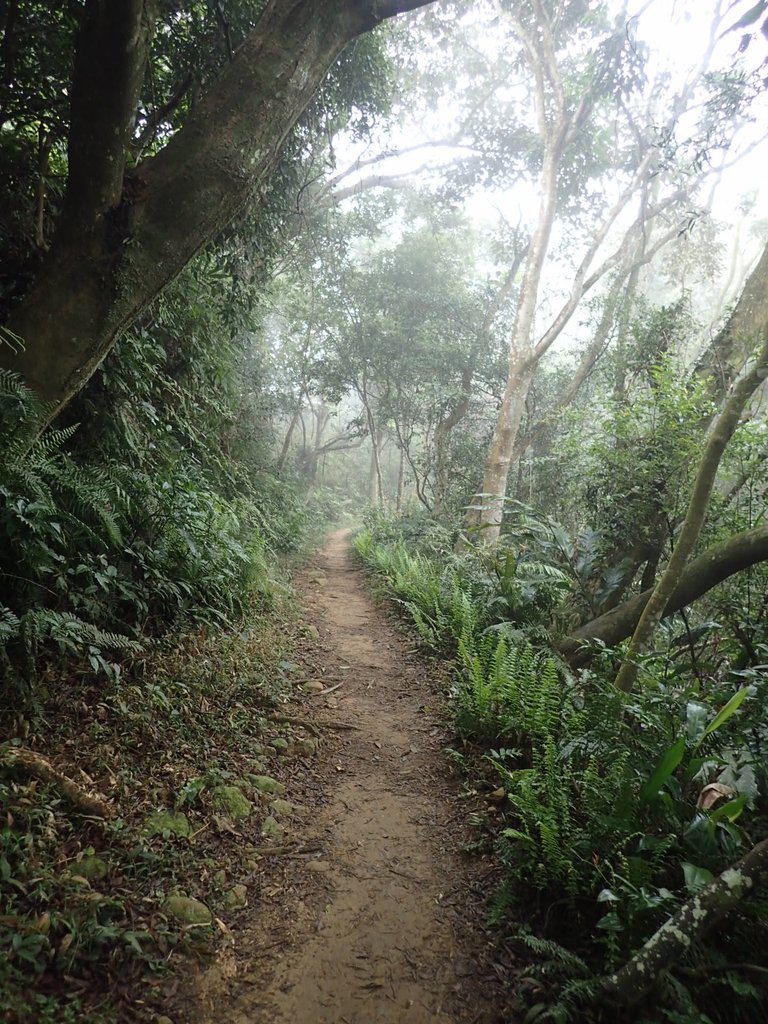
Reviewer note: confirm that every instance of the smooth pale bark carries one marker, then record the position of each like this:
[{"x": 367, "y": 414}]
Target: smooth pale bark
[
  {"x": 720, "y": 433},
  {"x": 456, "y": 414},
  {"x": 487, "y": 507},
  {"x": 700, "y": 576},
  {"x": 558, "y": 126},
  {"x": 124, "y": 236},
  {"x": 615, "y": 311},
  {"x": 696, "y": 916}
]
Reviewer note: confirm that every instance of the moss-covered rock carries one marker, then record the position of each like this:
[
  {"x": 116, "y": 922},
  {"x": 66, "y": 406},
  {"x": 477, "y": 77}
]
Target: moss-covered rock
[
  {"x": 231, "y": 800},
  {"x": 271, "y": 828},
  {"x": 265, "y": 784},
  {"x": 92, "y": 868},
  {"x": 280, "y": 745},
  {"x": 187, "y": 911},
  {"x": 306, "y": 747},
  {"x": 161, "y": 823},
  {"x": 236, "y": 898},
  {"x": 281, "y": 808}
]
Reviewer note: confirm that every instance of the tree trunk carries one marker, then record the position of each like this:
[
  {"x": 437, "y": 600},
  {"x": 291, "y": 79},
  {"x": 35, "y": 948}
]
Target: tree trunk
[
  {"x": 400, "y": 481},
  {"x": 487, "y": 507},
  {"x": 735, "y": 341},
  {"x": 375, "y": 486},
  {"x": 719, "y": 435},
  {"x": 123, "y": 237},
  {"x": 441, "y": 437},
  {"x": 701, "y": 575},
  {"x": 289, "y": 434}
]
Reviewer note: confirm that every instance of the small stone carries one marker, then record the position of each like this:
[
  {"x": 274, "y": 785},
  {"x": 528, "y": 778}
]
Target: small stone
[
  {"x": 186, "y": 910},
  {"x": 92, "y": 867},
  {"x": 281, "y": 745},
  {"x": 306, "y": 747},
  {"x": 318, "y": 867},
  {"x": 281, "y": 808},
  {"x": 236, "y": 898},
  {"x": 271, "y": 828},
  {"x": 162, "y": 823},
  {"x": 265, "y": 784},
  {"x": 231, "y": 800}
]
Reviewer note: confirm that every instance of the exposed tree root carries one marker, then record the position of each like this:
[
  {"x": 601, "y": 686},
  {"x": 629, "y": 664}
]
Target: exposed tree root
[
  {"x": 314, "y": 727},
  {"x": 40, "y": 768}
]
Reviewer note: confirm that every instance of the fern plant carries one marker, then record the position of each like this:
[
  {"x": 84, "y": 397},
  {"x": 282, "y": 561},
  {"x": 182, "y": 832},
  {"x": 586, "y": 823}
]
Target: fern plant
[{"x": 507, "y": 691}]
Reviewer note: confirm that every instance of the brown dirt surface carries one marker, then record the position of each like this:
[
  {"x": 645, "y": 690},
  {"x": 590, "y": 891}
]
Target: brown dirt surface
[{"x": 372, "y": 915}]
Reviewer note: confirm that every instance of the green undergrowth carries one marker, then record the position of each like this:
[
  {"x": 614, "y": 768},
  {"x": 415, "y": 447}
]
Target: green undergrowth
[
  {"x": 177, "y": 745},
  {"x": 603, "y": 810}
]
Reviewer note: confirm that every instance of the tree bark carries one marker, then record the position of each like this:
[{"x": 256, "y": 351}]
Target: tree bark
[
  {"x": 289, "y": 435},
  {"x": 122, "y": 237},
  {"x": 676, "y": 936},
  {"x": 700, "y": 576},
  {"x": 375, "y": 484},
  {"x": 720, "y": 434},
  {"x": 733, "y": 344},
  {"x": 443, "y": 429}
]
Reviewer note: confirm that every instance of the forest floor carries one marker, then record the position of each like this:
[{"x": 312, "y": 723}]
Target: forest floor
[{"x": 373, "y": 915}]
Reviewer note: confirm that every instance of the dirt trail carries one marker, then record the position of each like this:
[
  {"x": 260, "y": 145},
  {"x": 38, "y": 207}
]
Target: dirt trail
[{"x": 364, "y": 932}]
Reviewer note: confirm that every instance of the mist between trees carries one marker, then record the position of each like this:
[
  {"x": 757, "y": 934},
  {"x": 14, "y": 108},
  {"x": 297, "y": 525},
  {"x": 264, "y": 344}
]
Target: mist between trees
[{"x": 494, "y": 275}]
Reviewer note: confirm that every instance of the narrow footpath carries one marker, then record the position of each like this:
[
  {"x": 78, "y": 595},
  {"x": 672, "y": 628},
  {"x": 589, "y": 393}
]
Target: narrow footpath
[{"x": 377, "y": 923}]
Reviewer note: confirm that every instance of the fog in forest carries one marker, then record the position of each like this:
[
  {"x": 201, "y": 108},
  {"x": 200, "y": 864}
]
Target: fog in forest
[{"x": 383, "y": 543}]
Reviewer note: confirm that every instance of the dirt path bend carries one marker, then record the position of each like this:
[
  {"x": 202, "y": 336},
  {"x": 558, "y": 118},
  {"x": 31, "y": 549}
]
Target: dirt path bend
[{"x": 365, "y": 930}]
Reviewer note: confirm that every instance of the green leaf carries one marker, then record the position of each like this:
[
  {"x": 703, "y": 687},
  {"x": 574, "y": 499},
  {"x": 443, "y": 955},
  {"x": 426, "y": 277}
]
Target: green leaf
[
  {"x": 695, "y": 877},
  {"x": 668, "y": 761},
  {"x": 725, "y": 713},
  {"x": 607, "y": 896},
  {"x": 696, "y": 722},
  {"x": 731, "y": 810}
]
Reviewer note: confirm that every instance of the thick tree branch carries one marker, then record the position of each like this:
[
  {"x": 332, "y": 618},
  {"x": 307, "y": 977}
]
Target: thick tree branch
[
  {"x": 720, "y": 433},
  {"x": 91, "y": 289},
  {"x": 676, "y": 936},
  {"x": 717, "y": 564},
  {"x": 110, "y": 59}
]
